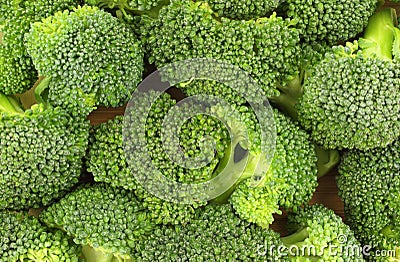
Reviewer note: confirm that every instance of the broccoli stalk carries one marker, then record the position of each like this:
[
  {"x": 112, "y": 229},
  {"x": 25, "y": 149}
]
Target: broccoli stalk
[
  {"x": 240, "y": 159},
  {"x": 9, "y": 104},
  {"x": 296, "y": 238},
  {"x": 379, "y": 36},
  {"x": 327, "y": 160}
]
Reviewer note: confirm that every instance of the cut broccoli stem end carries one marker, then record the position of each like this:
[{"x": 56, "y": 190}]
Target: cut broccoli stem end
[
  {"x": 379, "y": 35},
  {"x": 327, "y": 160},
  {"x": 98, "y": 255}
]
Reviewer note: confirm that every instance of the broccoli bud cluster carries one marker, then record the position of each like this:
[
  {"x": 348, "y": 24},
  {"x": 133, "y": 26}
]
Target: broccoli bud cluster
[{"x": 99, "y": 67}]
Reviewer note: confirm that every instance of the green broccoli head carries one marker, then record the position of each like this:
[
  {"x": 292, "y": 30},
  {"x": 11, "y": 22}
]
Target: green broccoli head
[
  {"x": 330, "y": 21},
  {"x": 356, "y": 106},
  {"x": 24, "y": 238},
  {"x": 238, "y": 150},
  {"x": 350, "y": 99},
  {"x": 266, "y": 48},
  {"x": 290, "y": 180},
  {"x": 41, "y": 151},
  {"x": 214, "y": 234},
  {"x": 369, "y": 186},
  {"x": 17, "y": 72},
  {"x": 126, "y": 6},
  {"x": 290, "y": 91},
  {"x": 243, "y": 9},
  {"x": 108, "y": 163},
  {"x": 321, "y": 235},
  {"x": 89, "y": 63},
  {"x": 108, "y": 222}
]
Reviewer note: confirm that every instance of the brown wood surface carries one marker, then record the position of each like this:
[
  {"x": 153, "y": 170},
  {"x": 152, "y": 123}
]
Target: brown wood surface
[{"x": 326, "y": 192}]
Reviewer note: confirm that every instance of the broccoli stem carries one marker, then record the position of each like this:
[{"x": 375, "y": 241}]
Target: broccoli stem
[
  {"x": 96, "y": 255},
  {"x": 327, "y": 160},
  {"x": 229, "y": 164},
  {"x": 296, "y": 238},
  {"x": 289, "y": 96},
  {"x": 305, "y": 250},
  {"x": 252, "y": 164},
  {"x": 41, "y": 89},
  {"x": 380, "y": 34},
  {"x": 8, "y": 104}
]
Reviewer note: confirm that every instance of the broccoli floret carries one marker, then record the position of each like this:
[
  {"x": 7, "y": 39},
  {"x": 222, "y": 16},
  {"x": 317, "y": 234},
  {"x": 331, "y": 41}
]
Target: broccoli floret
[
  {"x": 243, "y": 9},
  {"x": 327, "y": 20},
  {"x": 89, "y": 63},
  {"x": 266, "y": 48},
  {"x": 127, "y": 6},
  {"x": 17, "y": 72},
  {"x": 226, "y": 158},
  {"x": 320, "y": 235},
  {"x": 214, "y": 234},
  {"x": 41, "y": 151},
  {"x": 369, "y": 186},
  {"x": 24, "y": 238},
  {"x": 108, "y": 163},
  {"x": 108, "y": 222},
  {"x": 351, "y": 98},
  {"x": 290, "y": 181},
  {"x": 309, "y": 56}
]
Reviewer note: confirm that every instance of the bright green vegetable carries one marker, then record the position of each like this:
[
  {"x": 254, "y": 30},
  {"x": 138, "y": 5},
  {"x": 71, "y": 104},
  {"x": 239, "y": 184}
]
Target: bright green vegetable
[
  {"x": 24, "y": 238},
  {"x": 107, "y": 222},
  {"x": 266, "y": 48},
  {"x": 89, "y": 63},
  {"x": 329, "y": 21},
  {"x": 243, "y": 9},
  {"x": 351, "y": 98},
  {"x": 17, "y": 72},
  {"x": 214, "y": 234},
  {"x": 108, "y": 163},
  {"x": 290, "y": 180},
  {"x": 41, "y": 151},
  {"x": 318, "y": 234},
  {"x": 369, "y": 186}
]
